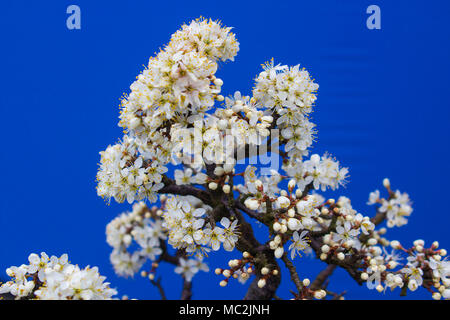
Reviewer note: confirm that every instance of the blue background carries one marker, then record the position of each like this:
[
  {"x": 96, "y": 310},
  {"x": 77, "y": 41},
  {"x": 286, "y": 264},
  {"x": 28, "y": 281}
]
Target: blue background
[{"x": 383, "y": 110}]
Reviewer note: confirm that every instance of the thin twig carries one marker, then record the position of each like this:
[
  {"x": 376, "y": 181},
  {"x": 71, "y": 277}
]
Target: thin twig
[
  {"x": 322, "y": 277},
  {"x": 158, "y": 284}
]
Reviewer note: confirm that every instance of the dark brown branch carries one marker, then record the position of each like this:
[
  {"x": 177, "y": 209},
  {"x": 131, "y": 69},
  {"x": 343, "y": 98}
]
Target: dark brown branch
[
  {"x": 158, "y": 284},
  {"x": 322, "y": 277},
  {"x": 294, "y": 275},
  {"x": 349, "y": 263},
  {"x": 184, "y": 190},
  {"x": 186, "y": 293}
]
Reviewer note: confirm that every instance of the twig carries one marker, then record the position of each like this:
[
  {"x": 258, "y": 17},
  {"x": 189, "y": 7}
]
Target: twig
[
  {"x": 186, "y": 293},
  {"x": 322, "y": 277},
  {"x": 184, "y": 190},
  {"x": 157, "y": 284},
  {"x": 294, "y": 275}
]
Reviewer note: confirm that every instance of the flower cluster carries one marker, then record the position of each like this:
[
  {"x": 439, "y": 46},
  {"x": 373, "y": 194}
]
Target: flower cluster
[
  {"x": 124, "y": 174},
  {"x": 55, "y": 278},
  {"x": 180, "y": 80},
  {"x": 170, "y": 118},
  {"x": 177, "y": 87},
  {"x": 189, "y": 229},
  {"x": 397, "y": 207},
  {"x": 427, "y": 267},
  {"x": 321, "y": 172},
  {"x": 188, "y": 268},
  {"x": 285, "y": 89},
  {"x": 240, "y": 269},
  {"x": 136, "y": 227},
  {"x": 290, "y": 93},
  {"x": 347, "y": 229}
]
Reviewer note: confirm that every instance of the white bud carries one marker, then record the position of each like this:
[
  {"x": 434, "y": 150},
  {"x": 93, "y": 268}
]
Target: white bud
[
  {"x": 127, "y": 239},
  {"x": 218, "y": 82},
  {"x": 264, "y": 271},
  {"x": 279, "y": 252},
  {"x": 283, "y": 202},
  {"x": 276, "y": 226},
  {"x": 223, "y": 283},
  {"x": 436, "y": 296},
  {"x": 325, "y": 248},
  {"x": 237, "y": 108},
  {"x": 364, "y": 276},
  {"x": 419, "y": 242},
  {"x": 341, "y": 256},
  {"x": 218, "y": 171},
  {"x": 212, "y": 186},
  {"x": 134, "y": 123},
  {"x": 222, "y": 124},
  {"x": 228, "y": 113},
  {"x": 228, "y": 167},
  {"x": 291, "y": 213},
  {"x": 251, "y": 204},
  {"x": 306, "y": 282},
  {"x": 226, "y": 188},
  {"x": 291, "y": 184},
  {"x": 395, "y": 244},
  {"x": 386, "y": 183},
  {"x": 218, "y": 271},
  {"x": 273, "y": 245},
  {"x": 293, "y": 224},
  {"x": 261, "y": 283},
  {"x": 268, "y": 119},
  {"x": 392, "y": 264},
  {"x": 320, "y": 294},
  {"x": 372, "y": 241},
  {"x": 277, "y": 239},
  {"x": 412, "y": 285}
]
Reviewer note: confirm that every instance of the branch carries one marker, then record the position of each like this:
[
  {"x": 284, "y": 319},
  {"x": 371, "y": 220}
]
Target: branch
[
  {"x": 184, "y": 190},
  {"x": 294, "y": 275},
  {"x": 157, "y": 284},
  {"x": 349, "y": 264},
  {"x": 322, "y": 277},
  {"x": 186, "y": 293}
]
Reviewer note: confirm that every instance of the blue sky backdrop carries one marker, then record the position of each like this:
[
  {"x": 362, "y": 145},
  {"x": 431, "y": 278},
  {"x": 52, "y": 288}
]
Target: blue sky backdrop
[{"x": 382, "y": 110}]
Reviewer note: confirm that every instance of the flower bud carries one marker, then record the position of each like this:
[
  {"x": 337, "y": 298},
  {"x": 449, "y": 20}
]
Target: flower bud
[
  {"x": 261, "y": 283},
  {"x": 226, "y": 188},
  {"x": 279, "y": 252},
  {"x": 212, "y": 186}
]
